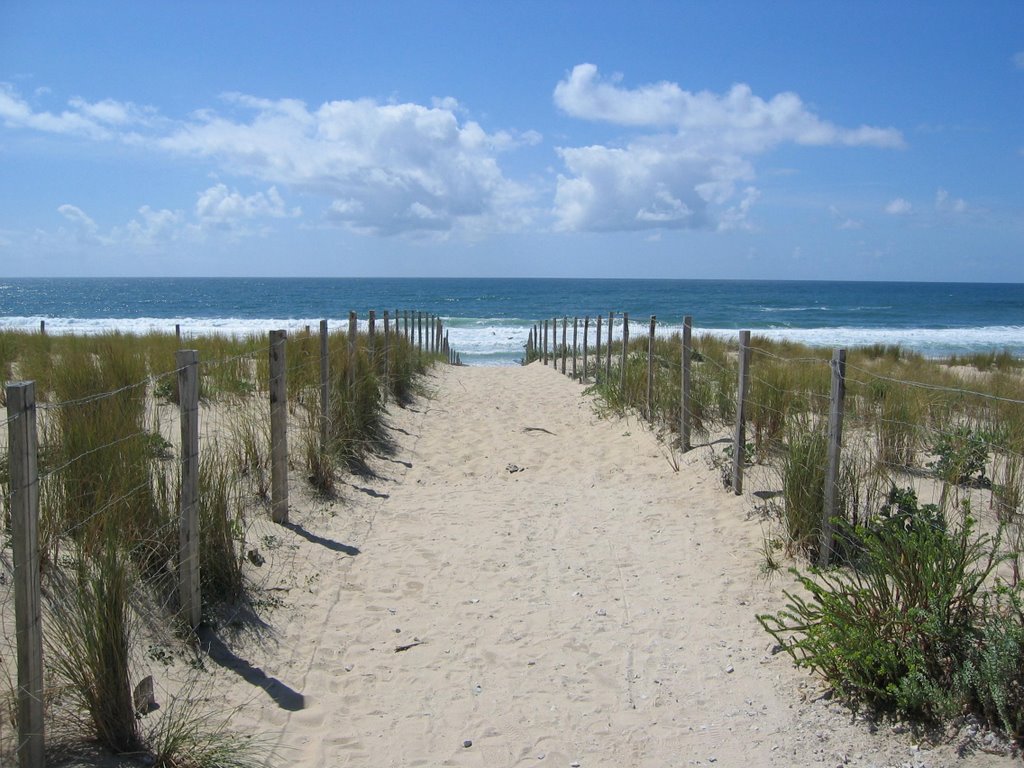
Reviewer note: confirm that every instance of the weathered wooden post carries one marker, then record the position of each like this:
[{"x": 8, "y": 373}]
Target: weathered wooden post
[
  {"x": 608, "y": 360},
  {"x": 565, "y": 346},
  {"x": 325, "y": 389},
  {"x": 279, "y": 422},
  {"x": 177, "y": 331},
  {"x": 23, "y": 457},
  {"x": 405, "y": 315},
  {"x": 740, "y": 433},
  {"x": 189, "y": 597},
  {"x": 650, "y": 370},
  {"x": 597, "y": 351},
  {"x": 575, "y": 333},
  {"x": 371, "y": 335},
  {"x": 387, "y": 354},
  {"x": 837, "y": 397},
  {"x": 419, "y": 330},
  {"x": 352, "y": 326},
  {"x": 685, "y": 424},
  {"x": 42, "y": 327},
  {"x": 586, "y": 337},
  {"x": 625, "y": 354},
  {"x": 545, "y": 342}
]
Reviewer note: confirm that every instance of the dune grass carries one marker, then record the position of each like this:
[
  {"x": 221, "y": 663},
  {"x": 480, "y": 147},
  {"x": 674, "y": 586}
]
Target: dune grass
[
  {"x": 109, "y": 493},
  {"x": 923, "y": 615}
]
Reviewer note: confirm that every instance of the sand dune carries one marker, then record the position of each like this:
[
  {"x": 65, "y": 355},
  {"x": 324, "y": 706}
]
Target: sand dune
[{"x": 526, "y": 583}]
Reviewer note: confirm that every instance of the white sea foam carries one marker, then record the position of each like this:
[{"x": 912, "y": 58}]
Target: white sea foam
[{"x": 494, "y": 341}]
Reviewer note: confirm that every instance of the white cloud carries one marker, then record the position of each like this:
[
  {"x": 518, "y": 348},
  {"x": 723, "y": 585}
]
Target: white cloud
[
  {"x": 220, "y": 207},
  {"x": 738, "y": 120},
  {"x": 409, "y": 167},
  {"x": 843, "y": 221},
  {"x": 154, "y": 228},
  {"x": 77, "y": 216},
  {"x": 381, "y": 166},
  {"x": 898, "y": 207},
  {"x": 945, "y": 204},
  {"x": 92, "y": 120},
  {"x": 688, "y": 172},
  {"x": 642, "y": 186}
]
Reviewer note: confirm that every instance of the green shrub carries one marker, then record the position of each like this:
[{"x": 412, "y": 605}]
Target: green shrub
[
  {"x": 962, "y": 455},
  {"x": 895, "y": 631}
]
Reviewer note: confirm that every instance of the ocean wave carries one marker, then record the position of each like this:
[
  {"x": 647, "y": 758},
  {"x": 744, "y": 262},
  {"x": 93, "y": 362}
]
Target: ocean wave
[{"x": 501, "y": 341}]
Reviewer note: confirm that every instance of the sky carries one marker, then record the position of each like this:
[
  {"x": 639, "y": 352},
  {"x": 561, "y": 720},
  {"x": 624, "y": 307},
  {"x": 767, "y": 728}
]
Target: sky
[{"x": 535, "y": 138}]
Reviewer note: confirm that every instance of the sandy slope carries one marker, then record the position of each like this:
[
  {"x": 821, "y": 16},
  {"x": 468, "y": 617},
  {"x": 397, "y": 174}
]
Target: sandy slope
[{"x": 595, "y": 608}]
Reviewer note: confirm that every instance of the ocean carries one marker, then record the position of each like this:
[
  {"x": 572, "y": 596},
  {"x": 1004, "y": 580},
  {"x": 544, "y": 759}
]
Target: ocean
[{"x": 489, "y": 318}]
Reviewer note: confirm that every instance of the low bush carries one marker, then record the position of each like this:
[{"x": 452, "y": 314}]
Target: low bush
[
  {"x": 904, "y": 630},
  {"x": 962, "y": 456}
]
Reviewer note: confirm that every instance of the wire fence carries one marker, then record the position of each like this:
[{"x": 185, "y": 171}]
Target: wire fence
[
  {"x": 950, "y": 432},
  {"x": 98, "y": 482}
]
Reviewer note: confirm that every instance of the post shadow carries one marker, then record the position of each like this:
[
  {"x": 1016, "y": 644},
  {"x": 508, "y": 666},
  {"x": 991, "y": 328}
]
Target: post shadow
[
  {"x": 285, "y": 697},
  {"x": 331, "y": 544}
]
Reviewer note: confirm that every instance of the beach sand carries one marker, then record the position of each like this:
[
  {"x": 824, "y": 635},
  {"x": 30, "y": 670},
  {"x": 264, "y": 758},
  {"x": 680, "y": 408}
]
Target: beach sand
[{"x": 523, "y": 582}]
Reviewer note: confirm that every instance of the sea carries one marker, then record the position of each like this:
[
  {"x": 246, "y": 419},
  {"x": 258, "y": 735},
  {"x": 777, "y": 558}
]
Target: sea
[{"x": 489, "y": 319}]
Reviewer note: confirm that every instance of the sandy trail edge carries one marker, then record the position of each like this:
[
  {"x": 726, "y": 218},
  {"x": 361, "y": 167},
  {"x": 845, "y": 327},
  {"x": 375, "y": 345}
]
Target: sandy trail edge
[{"x": 596, "y": 607}]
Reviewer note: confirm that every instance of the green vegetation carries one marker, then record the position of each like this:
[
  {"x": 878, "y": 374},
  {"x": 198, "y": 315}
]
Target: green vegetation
[
  {"x": 109, "y": 490},
  {"x": 922, "y": 615},
  {"x": 910, "y": 628}
]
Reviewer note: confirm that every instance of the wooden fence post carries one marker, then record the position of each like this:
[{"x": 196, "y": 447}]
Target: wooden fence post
[
  {"x": 23, "y": 458},
  {"x": 352, "y": 330},
  {"x": 325, "y": 388},
  {"x": 650, "y": 370},
  {"x": 387, "y": 354},
  {"x": 575, "y": 333},
  {"x": 597, "y": 351},
  {"x": 835, "y": 443},
  {"x": 740, "y": 433},
  {"x": 545, "y": 342},
  {"x": 42, "y": 327},
  {"x": 405, "y": 316},
  {"x": 419, "y": 331},
  {"x": 565, "y": 348},
  {"x": 608, "y": 360},
  {"x": 684, "y": 417},
  {"x": 279, "y": 423},
  {"x": 187, "y": 362},
  {"x": 625, "y": 354},
  {"x": 177, "y": 331},
  {"x": 372, "y": 328},
  {"x": 554, "y": 343},
  {"x": 586, "y": 350}
]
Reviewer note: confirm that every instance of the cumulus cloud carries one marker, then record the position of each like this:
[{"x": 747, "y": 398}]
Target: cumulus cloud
[
  {"x": 221, "y": 207},
  {"x": 95, "y": 120},
  {"x": 381, "y": 168},
  {"x": 898, "y": 207},
  {"x": 78, "y": 217},
  {"x": 386, "y": 168},
  {"x": 692, "y": 162}
]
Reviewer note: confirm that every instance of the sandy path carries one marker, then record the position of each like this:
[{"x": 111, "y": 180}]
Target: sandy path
[{"x": 596, "y": 607}]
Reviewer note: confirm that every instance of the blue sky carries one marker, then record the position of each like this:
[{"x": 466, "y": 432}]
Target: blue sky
[{"x": 818, "y": 140}]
